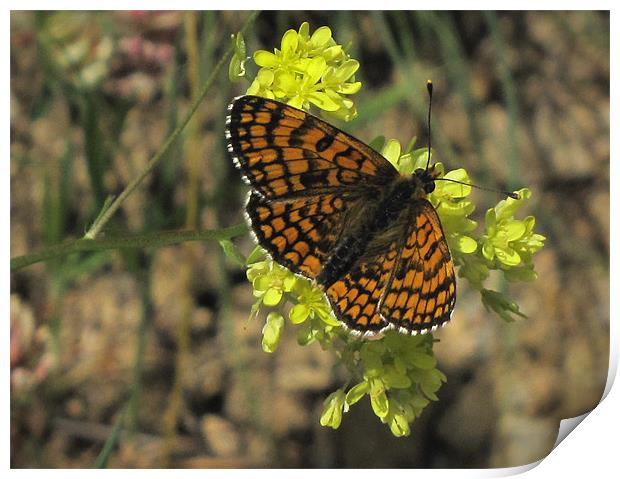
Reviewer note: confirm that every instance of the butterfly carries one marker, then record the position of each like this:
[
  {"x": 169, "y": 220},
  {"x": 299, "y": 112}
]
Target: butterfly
[{"x": 330, "y": 208}]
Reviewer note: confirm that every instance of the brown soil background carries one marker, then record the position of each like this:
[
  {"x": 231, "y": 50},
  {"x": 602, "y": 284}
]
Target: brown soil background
[{"x": 522, "y": 104}]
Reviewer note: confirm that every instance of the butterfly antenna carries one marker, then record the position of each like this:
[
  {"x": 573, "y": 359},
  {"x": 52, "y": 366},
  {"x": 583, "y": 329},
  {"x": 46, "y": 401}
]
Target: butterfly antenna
[
  {"x": 429, "y": 88},
  {"x": 510, "y": 194}
]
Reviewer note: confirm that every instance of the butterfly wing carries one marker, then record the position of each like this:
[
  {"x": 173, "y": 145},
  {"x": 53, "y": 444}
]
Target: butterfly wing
[
  {"x": 356, "y": 296},
  {"x": 286, "y": 153},
  {"x": 301, "y": 233},
  {"x": 310, "y": 181},
  {"x": 421, "y": 291}
]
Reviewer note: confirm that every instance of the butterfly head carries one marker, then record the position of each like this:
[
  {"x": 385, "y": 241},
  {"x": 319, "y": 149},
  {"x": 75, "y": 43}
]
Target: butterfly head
[{"x": 426, "y": 178}]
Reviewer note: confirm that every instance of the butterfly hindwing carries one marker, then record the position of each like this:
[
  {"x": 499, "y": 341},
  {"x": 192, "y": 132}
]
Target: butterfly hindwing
[
  {"x": 405, "y": 278},
  {"x": 421, "y": 292},
  {"x": 300, "y": 233},
  {"x": 355, "y": 297}
]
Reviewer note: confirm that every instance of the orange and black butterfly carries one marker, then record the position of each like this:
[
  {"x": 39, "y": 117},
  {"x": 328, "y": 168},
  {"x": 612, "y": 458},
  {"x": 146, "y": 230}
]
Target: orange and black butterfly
[{"x": 330, "y": 208}]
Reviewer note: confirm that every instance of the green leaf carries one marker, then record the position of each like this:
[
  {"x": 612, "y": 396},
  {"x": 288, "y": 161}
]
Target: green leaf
[
  {"x": 391, "y": 151},
  {"x": 377, "y": 143},
  {"x": 399, "y": 425},
  {"x": 499, "y": 303},
  {"x": 525, "y": 273},
  {"x": 236, "y": 67},
  {"x": 332, "y": 409},
  {"x": 232, "y": 253},
  {"x": 421, "y": 360},
  {"x": 396, "y": 379},
  {"x": 257, "y": 254},
  {"x": 378, "y": 398},
  {"x": 272, "y": 332},
  {"x": 357, "y": 392}
]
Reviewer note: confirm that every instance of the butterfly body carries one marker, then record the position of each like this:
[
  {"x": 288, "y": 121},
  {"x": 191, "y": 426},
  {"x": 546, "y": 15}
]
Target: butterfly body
[
  {"x": 377, "y": 221},
  {"x": 330, "y": 208}
]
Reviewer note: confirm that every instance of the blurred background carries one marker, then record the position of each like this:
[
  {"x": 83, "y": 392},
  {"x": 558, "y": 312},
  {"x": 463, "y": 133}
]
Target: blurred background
[{"x": 159, "y": 341}]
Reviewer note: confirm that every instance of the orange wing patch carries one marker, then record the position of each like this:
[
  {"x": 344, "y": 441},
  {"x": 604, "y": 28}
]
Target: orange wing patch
[{"x": 422, "y": 290}]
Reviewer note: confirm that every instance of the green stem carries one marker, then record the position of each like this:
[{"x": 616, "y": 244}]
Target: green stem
[
  {"x": 133, "y": 407},
  {"x": 102, "y": 460},
  {"x": 149, "y": 240},
  {"x": 105, "y": 217}
]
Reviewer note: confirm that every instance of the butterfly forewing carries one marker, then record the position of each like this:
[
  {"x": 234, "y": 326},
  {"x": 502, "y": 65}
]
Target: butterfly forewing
[{"x": 285, "y": 153}]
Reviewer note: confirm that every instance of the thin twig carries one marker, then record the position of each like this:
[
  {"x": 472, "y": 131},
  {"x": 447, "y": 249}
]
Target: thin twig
[
  {"x": 111, "y": 441},
  {"x": 149, "y": 240}
]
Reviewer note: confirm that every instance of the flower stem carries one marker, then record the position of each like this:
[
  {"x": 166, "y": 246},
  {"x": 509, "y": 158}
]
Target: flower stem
[{"x": 149, "y": 240}]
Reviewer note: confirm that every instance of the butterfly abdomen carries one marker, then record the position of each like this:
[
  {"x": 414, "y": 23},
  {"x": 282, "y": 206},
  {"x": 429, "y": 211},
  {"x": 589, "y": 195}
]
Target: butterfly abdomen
[{"x": 342, "y": 258}]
